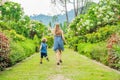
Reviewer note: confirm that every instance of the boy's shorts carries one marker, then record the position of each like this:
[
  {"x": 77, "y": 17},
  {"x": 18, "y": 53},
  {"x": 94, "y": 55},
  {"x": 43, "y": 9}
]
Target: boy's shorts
[{"x": 43, "y": 55}]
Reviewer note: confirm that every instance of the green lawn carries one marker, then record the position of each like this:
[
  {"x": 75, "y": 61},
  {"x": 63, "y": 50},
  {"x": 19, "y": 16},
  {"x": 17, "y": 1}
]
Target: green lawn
[{"x": 74, "y": 67}]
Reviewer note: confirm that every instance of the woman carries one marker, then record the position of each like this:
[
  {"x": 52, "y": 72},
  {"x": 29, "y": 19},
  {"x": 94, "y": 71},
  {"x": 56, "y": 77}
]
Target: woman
[{"x": 58, "y": 43}]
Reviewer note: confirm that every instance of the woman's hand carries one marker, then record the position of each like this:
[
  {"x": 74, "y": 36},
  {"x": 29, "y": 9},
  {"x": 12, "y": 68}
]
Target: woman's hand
[{"x": 65, "y": 42}]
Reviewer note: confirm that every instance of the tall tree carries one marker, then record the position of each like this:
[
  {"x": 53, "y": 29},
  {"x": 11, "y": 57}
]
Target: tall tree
[
  {"x": 54, "y": 19},
  {"x": 79, "y": 6},
  {"x": 75, "y": 5},
  {"x": 66, "y": 12},
  {"x": 62, "y": 3}
]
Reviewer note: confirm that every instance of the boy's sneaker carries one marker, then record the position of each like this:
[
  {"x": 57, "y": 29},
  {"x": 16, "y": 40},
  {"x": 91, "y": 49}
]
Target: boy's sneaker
[
  {"x": 40, "y": 62},
  {"x": 47, "y": 59}
]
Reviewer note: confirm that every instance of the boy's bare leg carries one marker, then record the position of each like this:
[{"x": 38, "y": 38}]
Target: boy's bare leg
[{"x": 41, "y": 61}]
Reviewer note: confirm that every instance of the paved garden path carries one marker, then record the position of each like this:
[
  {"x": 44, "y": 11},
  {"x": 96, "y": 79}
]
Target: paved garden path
[{"x": 74, "y": 67}]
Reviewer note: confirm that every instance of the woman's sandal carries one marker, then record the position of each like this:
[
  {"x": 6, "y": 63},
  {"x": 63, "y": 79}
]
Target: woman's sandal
[{"x": 60, "y": 61}]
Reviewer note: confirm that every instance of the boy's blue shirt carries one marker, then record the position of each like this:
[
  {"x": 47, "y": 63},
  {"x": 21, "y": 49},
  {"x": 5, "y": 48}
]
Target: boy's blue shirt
[{"x": 44, "y": 47}]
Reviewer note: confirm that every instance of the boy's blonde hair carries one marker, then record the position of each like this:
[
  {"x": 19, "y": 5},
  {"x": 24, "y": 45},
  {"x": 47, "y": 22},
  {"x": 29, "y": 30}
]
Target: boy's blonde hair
[{"x": 44, "y": 40}]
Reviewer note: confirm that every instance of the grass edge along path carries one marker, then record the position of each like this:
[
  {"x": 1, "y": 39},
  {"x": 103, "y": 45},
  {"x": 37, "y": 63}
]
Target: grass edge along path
[{"x": 74, "y": 67}]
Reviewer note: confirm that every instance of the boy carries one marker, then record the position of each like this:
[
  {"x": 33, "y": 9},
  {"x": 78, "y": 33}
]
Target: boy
[{"x": 43, "y": 50}]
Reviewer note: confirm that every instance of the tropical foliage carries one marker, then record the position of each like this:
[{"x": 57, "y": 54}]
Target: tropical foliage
[
  {"x": 106, "y": 12},
  {"x": 11, "y": 11},
  {"x": 88, "y": 34},
  {"x": 20, "y": 31}
]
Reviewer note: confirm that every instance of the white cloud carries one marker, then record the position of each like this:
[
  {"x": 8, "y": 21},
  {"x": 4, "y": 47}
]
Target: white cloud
[
  {"x": 40, "y": 7},
  {"x": 35, "y": 6}
]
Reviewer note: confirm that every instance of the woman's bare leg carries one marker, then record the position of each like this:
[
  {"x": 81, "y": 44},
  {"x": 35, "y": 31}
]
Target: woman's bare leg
[
  {"x": 58, "y": 56},
  {"x": 60, "y": 59}
]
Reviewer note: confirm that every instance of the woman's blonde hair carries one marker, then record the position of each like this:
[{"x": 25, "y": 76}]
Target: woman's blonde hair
[{"x": 57, "y": 29}]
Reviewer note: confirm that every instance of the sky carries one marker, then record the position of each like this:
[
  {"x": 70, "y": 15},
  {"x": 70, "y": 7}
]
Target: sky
[{"x": 32, "y": 7}]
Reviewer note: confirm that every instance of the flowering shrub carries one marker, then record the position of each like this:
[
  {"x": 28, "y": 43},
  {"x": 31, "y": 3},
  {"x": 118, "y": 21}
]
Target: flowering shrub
[
  {"x": 4, "y": 51},
  {"x": 38, "y": 28},
  {"x": 113, "y": 46},
  {"x": 11, "y": 11},
  {"x": 15, "y": 36},
  {"x": 106, "y": 12}
]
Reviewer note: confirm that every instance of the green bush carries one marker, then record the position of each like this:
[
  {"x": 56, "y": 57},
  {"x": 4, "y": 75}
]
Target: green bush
[
  {"x": 14, "y": 36},
  {"x": 21, "y": 50},
  {"x": 99, "y": 52},
  {"x": 16, "y": 54},
  {"x": 95, "y": 51},
  {"x": 3, "y": 25},
  {"x": 85, "y": 49},
  {"x": 37, "y": 43},
  {"x": 101, "y": 34},
  {"x": 73, "y": 41},
  {"x": 49, "y": 41}
]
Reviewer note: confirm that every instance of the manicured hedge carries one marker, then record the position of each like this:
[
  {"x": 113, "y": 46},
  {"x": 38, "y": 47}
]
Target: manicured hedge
[{"x": 21, "y": 50}]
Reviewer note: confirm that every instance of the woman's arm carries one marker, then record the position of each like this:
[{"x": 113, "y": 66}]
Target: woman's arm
[{"x": 52, "y": 31}]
